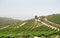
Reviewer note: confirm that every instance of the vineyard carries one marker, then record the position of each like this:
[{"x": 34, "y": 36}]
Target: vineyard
[
  {"x": 29, "y": 29},
  {"x": 54, "y": 18}
]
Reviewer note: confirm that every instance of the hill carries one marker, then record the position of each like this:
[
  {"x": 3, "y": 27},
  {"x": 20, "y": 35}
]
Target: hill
[
  {"x": 31, "y": 28},
  {"x": 54, "y": 18},
  {"x": 26, "y": 30},
  {"x": 7, "y": 21}
]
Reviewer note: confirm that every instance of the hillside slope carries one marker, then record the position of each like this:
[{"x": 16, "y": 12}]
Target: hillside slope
[
  {"x": 27, "y": 29},
  {"x": 54, "y": 18},
  {"x": 4, "y": 21}
]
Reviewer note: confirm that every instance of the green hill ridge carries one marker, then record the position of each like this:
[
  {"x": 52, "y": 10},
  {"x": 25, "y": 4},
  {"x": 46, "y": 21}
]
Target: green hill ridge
[{"x": 29, "y": 28}]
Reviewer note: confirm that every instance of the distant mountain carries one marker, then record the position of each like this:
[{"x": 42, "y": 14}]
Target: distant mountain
[{"x": 7, "y": 21}]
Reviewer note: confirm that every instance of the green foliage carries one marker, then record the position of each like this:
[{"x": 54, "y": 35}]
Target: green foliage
[
  {"x": 26, "y": 30},
  {"x": 54, "y": 18}
]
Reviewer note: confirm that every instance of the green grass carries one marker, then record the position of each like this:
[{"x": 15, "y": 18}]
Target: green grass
[
  {"x": 27, "y": 30},
  {"x": 54, "y": 18}
]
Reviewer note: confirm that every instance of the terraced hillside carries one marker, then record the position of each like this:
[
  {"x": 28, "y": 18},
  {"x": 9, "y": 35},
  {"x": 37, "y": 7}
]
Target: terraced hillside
[
  {"x": 30, "y": 29},
  {"x": 54, "y": 18},
  {"x": 27, "y": 29}
]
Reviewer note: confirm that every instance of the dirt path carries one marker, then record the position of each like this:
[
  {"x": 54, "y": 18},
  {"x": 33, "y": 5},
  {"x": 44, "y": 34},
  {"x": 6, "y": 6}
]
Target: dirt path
[
  {"x": 50, "y": 21},
  {"x": 21, "y": 24},
  {"x": 49, "y": 25},
  {"x": 46, "y": 24},
  {"x": 4, "y": 27},
  {"x": 53, "y": 24},
  {"x": 14, "y": 27}
]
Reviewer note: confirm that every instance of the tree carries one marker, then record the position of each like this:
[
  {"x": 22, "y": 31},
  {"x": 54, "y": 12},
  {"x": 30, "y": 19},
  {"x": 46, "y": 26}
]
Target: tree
[{"x": 36, "y": 17}]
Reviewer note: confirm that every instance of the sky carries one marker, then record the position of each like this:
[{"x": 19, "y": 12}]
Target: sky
[{"x": 26, "y": 9}]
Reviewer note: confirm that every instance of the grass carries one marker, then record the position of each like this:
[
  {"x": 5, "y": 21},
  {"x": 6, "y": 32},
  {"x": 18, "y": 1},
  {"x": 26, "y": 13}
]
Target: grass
[
  {"x": 26, "y": 30},
  {"x": 54, "y": 18}
]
